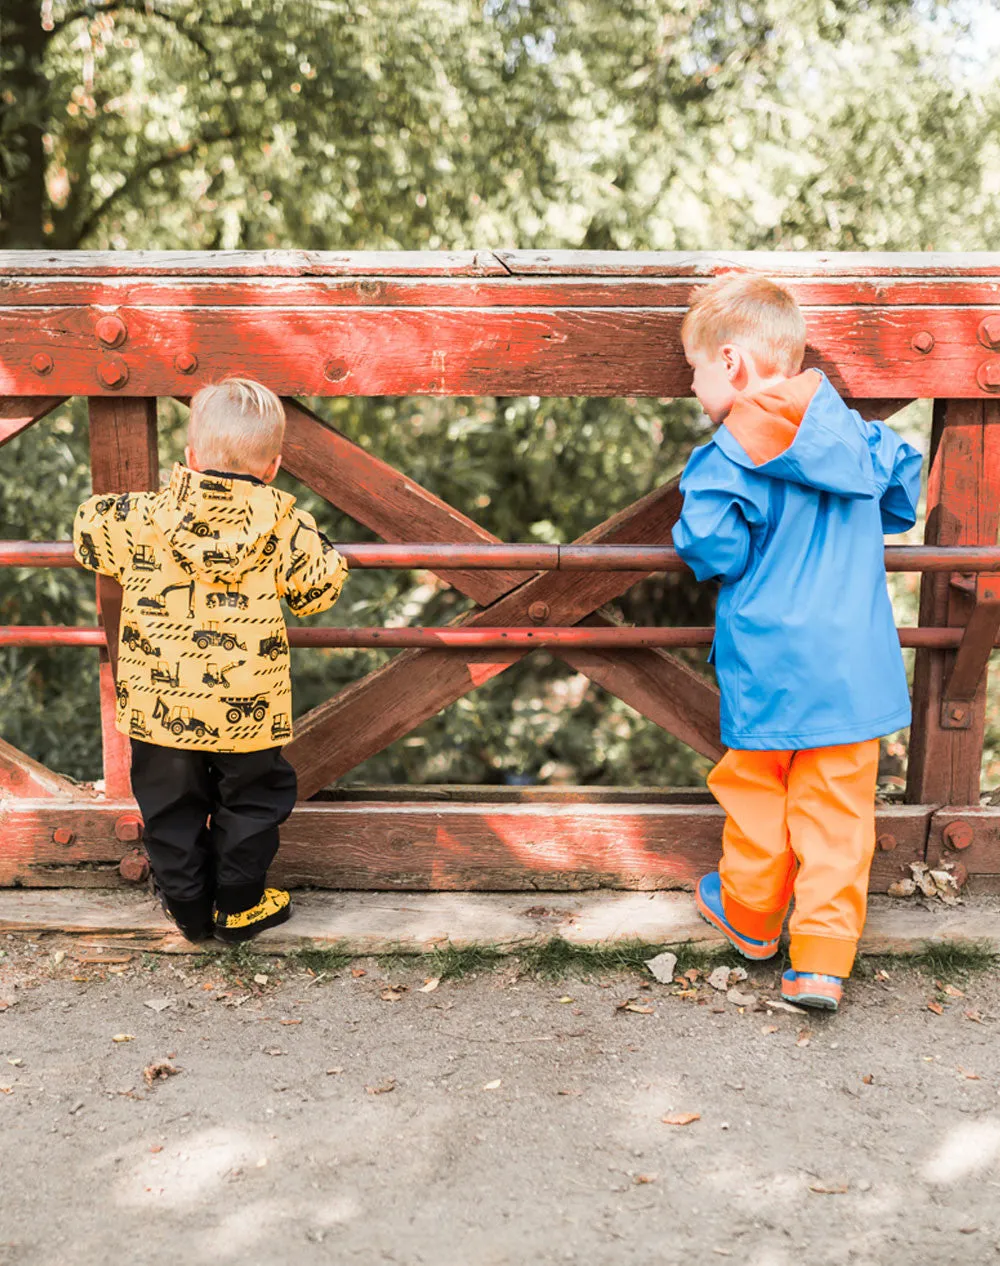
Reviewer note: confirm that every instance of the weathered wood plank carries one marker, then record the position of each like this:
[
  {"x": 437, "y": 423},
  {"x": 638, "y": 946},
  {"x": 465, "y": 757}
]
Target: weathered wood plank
[
  {"x": 867, "y": 352},
  {"x": 17, "y": 413},
  {"x": 123, "y": 458},
  {"x": 963, "y": 499},
  {"x": 420, "y": 846},
  {"x": 21, "y": 776}
]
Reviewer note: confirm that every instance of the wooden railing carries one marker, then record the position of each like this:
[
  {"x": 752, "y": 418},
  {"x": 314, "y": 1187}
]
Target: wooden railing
[{"x": 124, "y": 329}]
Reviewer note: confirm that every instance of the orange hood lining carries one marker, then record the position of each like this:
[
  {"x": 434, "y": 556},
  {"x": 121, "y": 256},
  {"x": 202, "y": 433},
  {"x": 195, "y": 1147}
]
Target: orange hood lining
[{"x": 766, "y": 423}]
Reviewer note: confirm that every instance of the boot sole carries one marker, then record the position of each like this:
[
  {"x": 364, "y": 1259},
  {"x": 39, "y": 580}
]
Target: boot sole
[
  {"x": 817, "y": 1001},
  {"x": 234, "y": 936},
  {"x": 755, "y": 953}
]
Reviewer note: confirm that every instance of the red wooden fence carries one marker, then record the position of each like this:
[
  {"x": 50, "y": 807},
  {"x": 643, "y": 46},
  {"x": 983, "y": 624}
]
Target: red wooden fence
[{"x": 126, "y": 328}]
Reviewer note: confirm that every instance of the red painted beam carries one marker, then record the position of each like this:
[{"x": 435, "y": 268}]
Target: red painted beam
[
  {"x": 485, "y": 639},
  {"x": 440, "y": 557}
]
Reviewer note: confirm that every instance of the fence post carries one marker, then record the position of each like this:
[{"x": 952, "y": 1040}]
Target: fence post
[
  {"x": 123, "y": 458},
  {"x": 963, "y": 508}
]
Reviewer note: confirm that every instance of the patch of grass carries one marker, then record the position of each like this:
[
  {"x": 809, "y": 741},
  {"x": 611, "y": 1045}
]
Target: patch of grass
[
  {"x": 558, "y": 958},
  {"x": 238, "y": 961},
  {"x": 945, "y": 959},
  {"x": 321, "y": 961}
]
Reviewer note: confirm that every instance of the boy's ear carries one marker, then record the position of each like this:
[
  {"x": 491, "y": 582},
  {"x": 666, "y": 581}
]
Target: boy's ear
[
  {"x": 272, "y": 470},
  {"x": 737, "y": 370},
  {"x": 190, "y": 461}
]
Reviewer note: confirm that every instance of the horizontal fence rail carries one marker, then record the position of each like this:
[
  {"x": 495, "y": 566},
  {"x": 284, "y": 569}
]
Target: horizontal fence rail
[{"x": 531, "y": 557}]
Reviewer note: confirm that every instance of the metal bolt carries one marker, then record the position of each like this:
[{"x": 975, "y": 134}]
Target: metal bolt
[
  {"x": 922, "y": 342},
  {"x": 128, "y": 827},
  {"x": 113, "y": 373},
  {"x": 63, "y": 835},
  {"x": 538, "y": 612},
  {"x": 42, "y": 363},
  {"x": 134, "y": 867},
  {"x": 335, "y": 370},
  {"x": 989, "y": 331},
  {"x": 370, "y": 289},
  {"x": 111, "y": 331},
  {"x": 988, "y": 375},
  {"x": 956, "y": 711},
  {"x": 185, "y": 362},
  {"x": 887, "y": 843},
  {"x": 958, "y": 835}
]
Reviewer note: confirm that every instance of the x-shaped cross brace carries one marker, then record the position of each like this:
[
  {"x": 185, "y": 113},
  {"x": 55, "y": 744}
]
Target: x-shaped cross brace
[{"x": 372, "y": 713}]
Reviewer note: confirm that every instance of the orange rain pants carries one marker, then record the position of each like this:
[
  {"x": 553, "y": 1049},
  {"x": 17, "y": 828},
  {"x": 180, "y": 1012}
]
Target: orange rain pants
[{"x": 802, "y": 824}]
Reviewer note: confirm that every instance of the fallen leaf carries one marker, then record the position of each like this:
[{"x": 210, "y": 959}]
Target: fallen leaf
[
  {"x": 662, "y": 967},
  {"x": 97, "y": 960},
  {"x": 289, "y": 1022},
  {"x": 567, "y": 998},
  {"x": 953, "y": 992},
  {"x": 737, "y": 974},
  {"x": 641, "y": 1179},
  {"x": 260, "y": 979},
  {"x": 902, "y": 888},
  {"x": 936, "y": 1007},
  {"x": 693, "y": 974},
  {"x": 633, "y": 1004},
  {"x": 681, "y": 1118},
  {"x": 159, "y": 1072},
  {"x": 157, "y": 1147},
  {"x": 6, "y": 1090},
  {"x": 383, "y": 1088},
  {"x": 273, "y": 1050},
  {"x": 769, "y": 1028},
  {"x": 868, "y": 1079},
  {"x": 804, "y": 1038},
  {"x": 123, "y": 1037},
  {"x": 430, "y": 984},
  {"x": 821, "y": 1189},
  {"x": 969, "y": 1076},
  {"x": 493, "y": 1085},
  {"x": 882, "y": 975},
  {"x": 569, "y": 1092},
  {"x": 779, "y": 1004},
  {"x": 975, "y": 1016},
  {"x": 16, "y": 1063},
  {"x": 158, "y": 1004},
  {"x": 358, "y": 971},
  {"x": 5, "y": 1003},
  {"x": 719, "y": 979},
  {"x": 333, "y": 1072},
  {"x": 742, "y": 999},
  {"x": 393, "y": 993}
]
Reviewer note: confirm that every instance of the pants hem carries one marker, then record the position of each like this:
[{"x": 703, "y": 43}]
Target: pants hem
[
  {"x": 760, "y": 925},
  {"x": 827, "y": 955},
  {"x": 235, "y": 898}
]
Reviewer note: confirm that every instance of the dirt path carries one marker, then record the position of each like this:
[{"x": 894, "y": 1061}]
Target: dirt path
[{"x": 516, "y": 1120}]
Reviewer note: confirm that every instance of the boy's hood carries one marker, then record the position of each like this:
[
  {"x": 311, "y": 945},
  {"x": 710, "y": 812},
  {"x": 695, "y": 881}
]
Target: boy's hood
[
  {"x": 802, "y": 432},
  {"x": 218, "y": 525}
]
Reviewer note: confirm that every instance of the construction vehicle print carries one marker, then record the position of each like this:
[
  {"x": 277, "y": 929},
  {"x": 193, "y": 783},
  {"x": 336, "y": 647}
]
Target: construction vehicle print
[
  {"x": 133, "y": 638},
  {"x": 223, "y": 490},
  {"x": 240, "y": 708},
  {"x": 272, "y": 647},
  {"x": 216, "y": 676},
  {"x": 121, "y": 690},
  {"x": 180, "y": 720},
  {"x": 197, "y": 526},
  {"x": 104, "y": 505},
  {"x": 231, "y": 598},
  {"x": 212, "y": 635},
  {"x": 143, "y": 559},
  {"x": 219, "y": 558},
  {"x": 299, "y": 557},
  {"x": 298, "y": 600},
  {"x": 183, "y": 563},
  {"x": 123, "y": 505},
  {"x": 158, "y": 604},
  {"x": 162, "y": 675},
  {"x": 137, "y": 725},
  {"x": 270, "y": 545},
  {"x": 87, "y": 551},
  {"x": 280, "y": 728}
]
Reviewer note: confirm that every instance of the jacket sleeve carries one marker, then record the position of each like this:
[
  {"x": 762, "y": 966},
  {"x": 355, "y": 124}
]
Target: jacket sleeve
[
  {"x": 311, "y": 573},
  {"x": 99, "y": 539},
  {"x": 897, "y": 468},
  {"x": 713, "y": 532}
]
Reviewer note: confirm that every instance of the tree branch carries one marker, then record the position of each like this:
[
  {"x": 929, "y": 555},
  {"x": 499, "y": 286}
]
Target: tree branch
[{"x": 142, "y": 10}]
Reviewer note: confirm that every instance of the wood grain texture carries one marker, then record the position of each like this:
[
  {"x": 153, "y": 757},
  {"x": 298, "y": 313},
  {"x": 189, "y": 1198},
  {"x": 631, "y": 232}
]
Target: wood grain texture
[
  {"x": 17, "y": 413},
  {"x": 963, "y": 500},
  {"x": 420, "y": 846},
  {"x": 21, "y": 776}
]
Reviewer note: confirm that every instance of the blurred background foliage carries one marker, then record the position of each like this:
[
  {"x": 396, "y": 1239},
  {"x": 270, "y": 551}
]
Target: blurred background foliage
[{"x": 447, "y": 124}]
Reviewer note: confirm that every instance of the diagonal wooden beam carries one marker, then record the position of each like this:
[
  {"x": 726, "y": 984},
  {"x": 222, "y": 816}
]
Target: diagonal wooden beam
[
  {"x": 367, "y": 716},
  {"x": 17, "y": 413},
  {"x": 21, "y": 777}
]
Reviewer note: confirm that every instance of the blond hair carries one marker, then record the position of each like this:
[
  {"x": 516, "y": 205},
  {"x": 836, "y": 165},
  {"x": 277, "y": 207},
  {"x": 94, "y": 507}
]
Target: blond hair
[
  {"x": 236, "y": 425},
  {"x": 754, "y": 312}
]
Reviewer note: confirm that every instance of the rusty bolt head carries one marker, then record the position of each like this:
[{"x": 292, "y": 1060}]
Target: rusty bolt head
[
  {"x": 988, "y": 375},
  {"x": 134, "y": 867},
  {"x": 335, "y": 370},
  {"x": 958, "y": 835},
  {"x": 538, "y": 612},
  {"x": 42, "y": 363},
  {"x": 989, "y": 331},
  {"x": 956, "y": 711},
  {"x": 922, "y": 342},
  {"x": 113, "y": 373},
  {"x": 185, "y": 362},
  {"x": 128, "y": 828},
  {"x": 887, "y": 842},
  {"x": 111, "y": 331},
  {"x": 63, "y": 835}
]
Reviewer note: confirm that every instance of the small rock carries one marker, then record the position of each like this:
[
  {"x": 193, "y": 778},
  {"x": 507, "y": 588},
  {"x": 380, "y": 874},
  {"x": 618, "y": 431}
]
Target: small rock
[
  {"x": 719, "y": 979},
  {"x": 662, "y": 967}
]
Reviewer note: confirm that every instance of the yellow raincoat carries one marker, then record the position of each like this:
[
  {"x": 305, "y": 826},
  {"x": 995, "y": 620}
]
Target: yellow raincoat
[{"x": 203, "y": 651}]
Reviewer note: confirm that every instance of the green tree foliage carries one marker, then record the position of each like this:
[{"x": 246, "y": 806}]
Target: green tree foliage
[{"x": 337, "y": 124}]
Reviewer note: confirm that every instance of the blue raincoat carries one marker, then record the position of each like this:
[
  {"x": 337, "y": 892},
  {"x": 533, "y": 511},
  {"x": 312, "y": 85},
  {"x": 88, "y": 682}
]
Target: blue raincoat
[{"x": 805, "y": 651}]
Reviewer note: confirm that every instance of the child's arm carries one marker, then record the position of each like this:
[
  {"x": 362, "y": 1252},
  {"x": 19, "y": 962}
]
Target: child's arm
[
  {"x": 897, "y": 473},
  {"x": 310, "y": 572},
  {"x": 99, "y": 536},
  {"x": 713, "y": 533}
]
